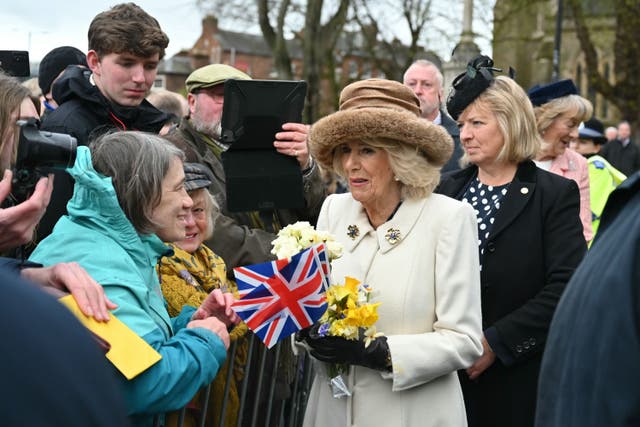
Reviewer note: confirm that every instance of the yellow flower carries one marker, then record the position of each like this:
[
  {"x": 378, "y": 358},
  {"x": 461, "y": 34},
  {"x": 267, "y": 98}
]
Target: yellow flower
[
  {"x": 340, "y": 328},
  {"x": 351, "y": 284},
  {"x": 368, "y": 314}
]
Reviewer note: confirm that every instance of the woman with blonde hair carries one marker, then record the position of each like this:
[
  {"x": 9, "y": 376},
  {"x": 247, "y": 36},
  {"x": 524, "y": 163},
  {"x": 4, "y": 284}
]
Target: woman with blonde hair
[
  {"x": 559, "y": 111},
  {"x": 529, "y": 239}
]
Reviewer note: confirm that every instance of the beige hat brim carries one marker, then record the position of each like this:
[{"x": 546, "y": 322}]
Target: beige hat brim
[{"x": 352, "y": 125}]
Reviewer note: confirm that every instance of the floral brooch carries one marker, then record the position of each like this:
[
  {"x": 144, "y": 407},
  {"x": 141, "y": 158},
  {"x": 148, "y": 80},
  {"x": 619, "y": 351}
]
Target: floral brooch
[
  {"x": 353, "y": 231},
  {"x": 393, "y": 236}
]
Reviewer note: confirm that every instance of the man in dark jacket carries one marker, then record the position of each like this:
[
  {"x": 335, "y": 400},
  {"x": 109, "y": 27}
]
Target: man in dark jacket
[
  {"x": 240, "y": 238},
  {"x": 125, "y": 46},
  {"x": 53, "y": 373},
  {"x": 590, "y": 375},
  {"x": 622, "y": 153},
  {"x": 425, "y": 79}
]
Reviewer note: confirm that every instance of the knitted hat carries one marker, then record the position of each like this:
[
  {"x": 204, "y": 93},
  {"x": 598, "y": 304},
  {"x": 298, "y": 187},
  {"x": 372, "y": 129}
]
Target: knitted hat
[
  {"x": 196, "y": 176},
  {"x": 470, "y": 84},
  {"x": 378, "y": 108},
  {"x": 211, "y": 75},
  {"x": 55, "y": 62},
  {"x": 541, "y": 94},
  {"x": 592, "y": 129}
]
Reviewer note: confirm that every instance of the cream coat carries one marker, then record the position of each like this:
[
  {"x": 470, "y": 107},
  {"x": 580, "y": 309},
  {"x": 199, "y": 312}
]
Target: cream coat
[{"x": 429, "y": 286}]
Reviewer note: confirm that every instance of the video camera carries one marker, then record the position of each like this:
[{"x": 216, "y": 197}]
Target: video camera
[{"x": 38, "y": 150}]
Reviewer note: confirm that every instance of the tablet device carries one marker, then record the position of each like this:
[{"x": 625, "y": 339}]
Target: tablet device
[{"x": 257, "y": 176}]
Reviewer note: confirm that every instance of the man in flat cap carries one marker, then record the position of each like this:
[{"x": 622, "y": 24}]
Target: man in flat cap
[{"x": 240, "y": 238}]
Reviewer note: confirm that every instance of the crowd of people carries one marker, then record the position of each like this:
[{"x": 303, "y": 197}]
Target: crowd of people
[{"x": 496, "y": 226}]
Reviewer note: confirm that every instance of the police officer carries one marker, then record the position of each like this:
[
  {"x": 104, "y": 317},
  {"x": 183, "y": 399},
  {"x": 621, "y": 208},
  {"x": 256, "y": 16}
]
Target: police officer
[{"x": 603, "y": 178}]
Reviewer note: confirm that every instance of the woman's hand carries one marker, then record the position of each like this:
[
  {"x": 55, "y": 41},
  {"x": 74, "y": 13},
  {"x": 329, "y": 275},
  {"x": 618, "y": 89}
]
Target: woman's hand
[
  {"x": 18, "y": 222},
  {"x": 218, "y": 304},
  {"x": 484, "y": 362},
  {"x": 214, "y": 325},
  {"x": 70, "y": 277}
]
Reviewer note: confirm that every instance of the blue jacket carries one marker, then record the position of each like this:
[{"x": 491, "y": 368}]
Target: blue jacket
[{"x": 98, "y": 236}]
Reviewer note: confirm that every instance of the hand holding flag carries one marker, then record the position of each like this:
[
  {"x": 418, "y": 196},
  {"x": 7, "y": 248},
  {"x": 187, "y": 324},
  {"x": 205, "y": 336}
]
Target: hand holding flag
[{"x": 281, "y": 297}]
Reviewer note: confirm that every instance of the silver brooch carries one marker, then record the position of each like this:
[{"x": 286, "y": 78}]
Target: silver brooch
[
  {"x": 353, "y": 231},
  {"x": 393, "y": 236}
]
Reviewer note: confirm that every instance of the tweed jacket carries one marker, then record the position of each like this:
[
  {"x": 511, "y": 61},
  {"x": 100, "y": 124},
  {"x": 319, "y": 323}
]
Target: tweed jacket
[
  {"x": 428, "y": 284},
  {"x": 237, "y": 238}
]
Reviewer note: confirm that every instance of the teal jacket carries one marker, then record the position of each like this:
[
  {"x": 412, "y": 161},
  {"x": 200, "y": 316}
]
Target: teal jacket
[{"x": 98, "y": 236}]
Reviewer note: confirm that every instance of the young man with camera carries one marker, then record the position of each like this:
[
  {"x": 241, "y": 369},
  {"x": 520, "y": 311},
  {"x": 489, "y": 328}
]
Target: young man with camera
[{"x": 125, "y": 47}]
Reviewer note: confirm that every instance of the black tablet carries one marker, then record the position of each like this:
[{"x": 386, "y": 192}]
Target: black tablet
[{"x": 257, "y": 176}]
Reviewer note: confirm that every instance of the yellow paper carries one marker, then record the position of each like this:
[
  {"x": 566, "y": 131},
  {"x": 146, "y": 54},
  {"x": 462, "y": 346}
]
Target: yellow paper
[{"x": 129, "y": 353}]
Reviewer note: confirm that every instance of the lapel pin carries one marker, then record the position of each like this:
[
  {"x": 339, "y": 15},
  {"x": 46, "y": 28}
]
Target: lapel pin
[
  {"x": 524, "y": 190},
  {"x": 353, "y": 232},
  {"x": 393, "y": 236}
]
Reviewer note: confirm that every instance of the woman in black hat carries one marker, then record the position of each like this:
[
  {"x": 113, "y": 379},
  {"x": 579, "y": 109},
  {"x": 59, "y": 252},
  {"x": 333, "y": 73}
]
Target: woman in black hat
[{"x": 530, "y": 241}]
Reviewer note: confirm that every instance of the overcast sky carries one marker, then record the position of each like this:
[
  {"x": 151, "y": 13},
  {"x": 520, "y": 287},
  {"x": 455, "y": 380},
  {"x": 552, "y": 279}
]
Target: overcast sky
[{"x": 39, "y": 26}]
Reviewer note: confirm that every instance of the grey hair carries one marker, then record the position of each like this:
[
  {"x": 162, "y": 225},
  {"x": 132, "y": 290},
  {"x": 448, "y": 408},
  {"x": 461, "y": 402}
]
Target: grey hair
[
  {"x": 426, "y": 63},
  {"x": 137, "y": 163},
  {"x": 211, "y": 210}
]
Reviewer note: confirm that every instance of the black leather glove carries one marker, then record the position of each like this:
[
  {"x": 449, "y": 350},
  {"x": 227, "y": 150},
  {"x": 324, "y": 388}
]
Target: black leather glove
[{"x": 353, "y": 352}]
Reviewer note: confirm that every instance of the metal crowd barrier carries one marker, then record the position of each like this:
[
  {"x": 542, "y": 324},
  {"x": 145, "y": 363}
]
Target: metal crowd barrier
[{"x": 273, "y": 392}]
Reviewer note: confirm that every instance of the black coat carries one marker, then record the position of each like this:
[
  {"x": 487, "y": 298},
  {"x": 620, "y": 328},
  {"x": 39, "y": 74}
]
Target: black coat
[
  {"x": 535, "y": 245},
  {"x": 53, "y": 373},
  {"x": 590, "y": 375},
  {"x": 452, "y": 128},
  {"x": 625, "y": 159}
]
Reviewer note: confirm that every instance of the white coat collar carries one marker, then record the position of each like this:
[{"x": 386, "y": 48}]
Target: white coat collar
[{"x": 402, "y": 223}]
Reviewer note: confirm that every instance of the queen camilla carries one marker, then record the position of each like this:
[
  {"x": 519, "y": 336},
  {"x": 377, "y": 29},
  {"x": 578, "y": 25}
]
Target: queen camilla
[{"x": 416, "y": 249}]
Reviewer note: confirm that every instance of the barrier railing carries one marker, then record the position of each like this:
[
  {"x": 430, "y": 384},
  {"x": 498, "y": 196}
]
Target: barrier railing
[{"x": 273, "y": 389}]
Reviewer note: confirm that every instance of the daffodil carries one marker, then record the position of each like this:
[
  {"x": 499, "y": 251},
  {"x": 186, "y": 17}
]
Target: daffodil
[{"x": 371, "y": 334}]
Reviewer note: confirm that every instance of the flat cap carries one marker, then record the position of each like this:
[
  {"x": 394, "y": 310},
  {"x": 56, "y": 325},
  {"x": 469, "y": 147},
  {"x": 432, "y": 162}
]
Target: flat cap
[
  {"x": 211, "y": 75},
  {"x": 196, "y": 176}
]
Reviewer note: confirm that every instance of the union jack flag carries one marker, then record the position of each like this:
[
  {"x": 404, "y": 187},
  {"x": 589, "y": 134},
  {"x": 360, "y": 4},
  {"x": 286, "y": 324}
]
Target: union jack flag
[{"x": 281, "y": 297}]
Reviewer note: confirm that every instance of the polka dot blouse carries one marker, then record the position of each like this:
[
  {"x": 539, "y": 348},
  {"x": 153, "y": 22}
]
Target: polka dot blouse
[{"x": 485, "y": 200}]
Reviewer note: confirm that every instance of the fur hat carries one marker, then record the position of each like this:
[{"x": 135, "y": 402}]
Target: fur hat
[
  {"x": 54, "y": 62},
  {"x": 378, "y": 108}
]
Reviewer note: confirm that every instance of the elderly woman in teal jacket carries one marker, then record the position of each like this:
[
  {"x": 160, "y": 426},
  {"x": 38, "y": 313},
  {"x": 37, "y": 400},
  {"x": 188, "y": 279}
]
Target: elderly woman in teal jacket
[{"x": 129, "y": 197}]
